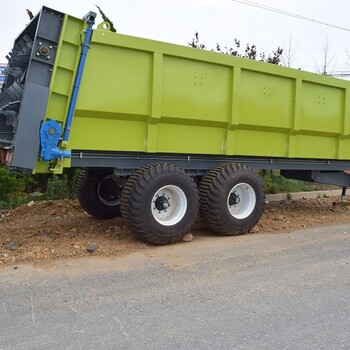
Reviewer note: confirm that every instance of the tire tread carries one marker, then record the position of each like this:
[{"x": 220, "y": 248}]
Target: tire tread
[{"x": 210, "y": 189}]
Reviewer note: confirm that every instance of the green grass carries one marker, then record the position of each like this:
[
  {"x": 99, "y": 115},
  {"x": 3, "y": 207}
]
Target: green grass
[{"x": 273, "y": 183}]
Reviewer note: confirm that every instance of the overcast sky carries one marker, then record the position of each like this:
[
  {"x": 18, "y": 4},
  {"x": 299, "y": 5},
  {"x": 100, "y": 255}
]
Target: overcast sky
[{"x": 216, "y": 21}]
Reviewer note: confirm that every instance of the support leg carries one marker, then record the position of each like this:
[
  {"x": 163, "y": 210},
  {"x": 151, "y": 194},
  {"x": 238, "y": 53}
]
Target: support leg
[{"x": 343, "y": 194}]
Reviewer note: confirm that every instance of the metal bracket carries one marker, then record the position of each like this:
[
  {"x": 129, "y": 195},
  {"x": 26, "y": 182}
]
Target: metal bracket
[
  {"x": 50, "y": 133},
  {"x": 90, "y": 16}
]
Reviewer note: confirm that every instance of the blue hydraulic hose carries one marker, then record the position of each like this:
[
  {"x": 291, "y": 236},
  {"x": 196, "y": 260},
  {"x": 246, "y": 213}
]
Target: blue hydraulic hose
[{"x": 86, "y": 46}]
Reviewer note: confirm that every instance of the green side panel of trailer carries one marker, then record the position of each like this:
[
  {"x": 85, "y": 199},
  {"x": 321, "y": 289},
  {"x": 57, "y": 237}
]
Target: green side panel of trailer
[{"x": 140, "y": 95}]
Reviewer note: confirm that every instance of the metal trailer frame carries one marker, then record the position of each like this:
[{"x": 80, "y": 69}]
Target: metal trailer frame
[{"x": 125, "y": 163}]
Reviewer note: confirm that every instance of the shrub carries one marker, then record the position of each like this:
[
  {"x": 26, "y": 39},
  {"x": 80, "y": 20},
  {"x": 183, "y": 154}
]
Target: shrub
[
  {"x": 15, "y": 189},
  {"x": 58, "y": 188},
  {"x": 273, "y": 182},
  {"x": 10, "y": 184},
  {"x": 62, "y": 186}
]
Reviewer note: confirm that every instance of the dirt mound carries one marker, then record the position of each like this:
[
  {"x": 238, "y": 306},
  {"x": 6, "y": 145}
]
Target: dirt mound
[{"x": 50, "y": 230}]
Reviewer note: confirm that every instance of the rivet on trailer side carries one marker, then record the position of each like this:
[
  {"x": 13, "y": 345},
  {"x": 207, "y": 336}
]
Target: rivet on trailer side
[{"x": 165, "y": 131}]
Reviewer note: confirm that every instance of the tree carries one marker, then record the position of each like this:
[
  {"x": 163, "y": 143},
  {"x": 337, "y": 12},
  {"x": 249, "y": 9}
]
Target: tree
[
  {"x": 288, "y": 56},
  {"x": 327, "y": 59},
  {"x": 250, "y": 51}
]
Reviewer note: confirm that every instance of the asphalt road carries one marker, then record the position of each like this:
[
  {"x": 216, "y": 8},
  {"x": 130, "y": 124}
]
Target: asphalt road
[{"x": 268, "y": 291}]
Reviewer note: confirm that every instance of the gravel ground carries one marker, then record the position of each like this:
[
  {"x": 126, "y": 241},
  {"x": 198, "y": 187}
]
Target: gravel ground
[{"x": 51, "y": 230}]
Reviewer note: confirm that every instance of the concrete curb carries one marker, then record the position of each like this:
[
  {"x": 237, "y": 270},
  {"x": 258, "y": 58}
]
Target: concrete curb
[{"x": 302, "y": 195}]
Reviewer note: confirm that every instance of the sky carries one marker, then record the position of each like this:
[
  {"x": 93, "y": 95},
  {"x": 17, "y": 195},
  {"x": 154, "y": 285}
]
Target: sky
[{"x": 217, "y": 21}]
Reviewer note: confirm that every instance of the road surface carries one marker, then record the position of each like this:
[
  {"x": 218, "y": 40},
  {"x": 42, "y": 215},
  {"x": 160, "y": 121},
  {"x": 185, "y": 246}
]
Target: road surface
[{"x": 261, "y": 291}]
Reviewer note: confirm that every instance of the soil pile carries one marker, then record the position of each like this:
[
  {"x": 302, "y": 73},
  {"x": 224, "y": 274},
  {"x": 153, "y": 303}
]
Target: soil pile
[{"x": 50, "y": 230}]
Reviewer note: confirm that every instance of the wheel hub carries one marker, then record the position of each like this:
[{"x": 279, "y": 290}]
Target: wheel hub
[
  {"x": 162, "y": 203},
  {"x": 108, "y": 191},
  {"x": 234, "y": 199}
]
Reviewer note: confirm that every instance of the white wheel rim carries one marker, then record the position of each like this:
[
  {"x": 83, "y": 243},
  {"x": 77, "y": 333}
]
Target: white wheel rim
[
  {"x": 241, "y": 201},
  {"x": 169, "y": 205}
]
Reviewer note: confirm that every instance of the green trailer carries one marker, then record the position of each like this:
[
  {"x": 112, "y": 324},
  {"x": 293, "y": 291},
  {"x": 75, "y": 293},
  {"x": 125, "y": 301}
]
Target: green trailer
[{"x": 165, "y": 131}]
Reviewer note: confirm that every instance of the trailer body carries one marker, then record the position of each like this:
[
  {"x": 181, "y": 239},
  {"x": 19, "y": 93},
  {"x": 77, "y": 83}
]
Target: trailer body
[
  {"x": 134, "y": 111},
  {"x": 143, "y": 96}
]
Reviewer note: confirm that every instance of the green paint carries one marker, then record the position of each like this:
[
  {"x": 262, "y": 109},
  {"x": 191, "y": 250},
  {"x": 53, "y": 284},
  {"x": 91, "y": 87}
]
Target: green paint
[{"x": 148, "y": 96}]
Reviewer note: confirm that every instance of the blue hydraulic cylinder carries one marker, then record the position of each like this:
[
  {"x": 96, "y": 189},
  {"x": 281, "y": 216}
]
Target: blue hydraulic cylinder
[{"x": 73, "y": 102}]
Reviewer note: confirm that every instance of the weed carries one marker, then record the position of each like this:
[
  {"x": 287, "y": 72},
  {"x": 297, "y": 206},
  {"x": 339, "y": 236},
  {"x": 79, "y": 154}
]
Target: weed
[{"x": 273, "y": 182}]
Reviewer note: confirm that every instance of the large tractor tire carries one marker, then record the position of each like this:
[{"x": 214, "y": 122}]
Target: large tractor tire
[
  {"x": 159, "y": 203},
  {"x": 231, "y": 199},
  {"x": 99, "y": 193}
]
